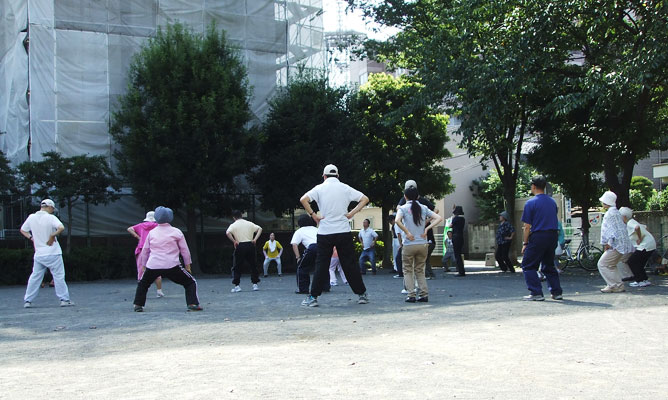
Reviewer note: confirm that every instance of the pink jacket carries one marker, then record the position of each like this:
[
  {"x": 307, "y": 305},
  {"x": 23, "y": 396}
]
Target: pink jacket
[{"x": 163, "y": 246}]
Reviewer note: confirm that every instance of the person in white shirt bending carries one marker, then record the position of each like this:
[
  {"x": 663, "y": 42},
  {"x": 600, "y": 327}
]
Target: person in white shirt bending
[
  {"x": 43, "y": 229},
  {"x": 644, "y": 244},
  {"x": 367, "y": 237}
]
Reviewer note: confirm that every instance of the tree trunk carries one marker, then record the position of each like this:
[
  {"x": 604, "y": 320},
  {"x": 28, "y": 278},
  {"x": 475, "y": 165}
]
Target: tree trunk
[
  {"x": 191, "y": 237},
  {"x": 387, "y": 238},
  {"x": 69, "y": 227}
]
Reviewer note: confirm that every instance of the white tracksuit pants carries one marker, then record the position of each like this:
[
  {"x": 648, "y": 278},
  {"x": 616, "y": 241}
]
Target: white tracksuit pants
[{"x": 55, "y": 264}]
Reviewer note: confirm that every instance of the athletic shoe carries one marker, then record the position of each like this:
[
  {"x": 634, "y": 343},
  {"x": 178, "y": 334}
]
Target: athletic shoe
[
  {"x": 160, "y": 293},
  {"x": 66, "y": 303},
  {"x": 557, "y": 297},
  {"x": 404, "y": 291},
  {"x": 194, "y": 307},
  {"x": 397, "y": 276},
  {"x": 333, "y": 284},
  {"x": 27, "y": 304},
  {"x": 279, "y": 275},
  {"x": 236, "y": 289},
  {"x": 255, "y": 287},
  {"x": 644, "y": 284},
  {"x": 615, "y": 289},
  {"x": 364, "y": 299},
  {"x": 410, "y": 299},
  {"x": 139, "y": 309},
  {"x": 424, "y": 299},
  {"x": 310, "y": 301},
  {"x": 634, "y": 284},
  {"x": 531, "y": 297},
  {"x": 264, "y": 276},
  {"x": 429, "y": 278}
]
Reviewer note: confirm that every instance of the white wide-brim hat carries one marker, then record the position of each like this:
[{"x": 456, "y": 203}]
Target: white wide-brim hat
[{"x": 609, "y": 198}]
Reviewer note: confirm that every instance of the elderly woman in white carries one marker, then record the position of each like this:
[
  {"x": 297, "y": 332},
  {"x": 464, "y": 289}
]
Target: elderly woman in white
[
  {"x": 618, "y": 246},
  {"x": 644, "y": 244}
]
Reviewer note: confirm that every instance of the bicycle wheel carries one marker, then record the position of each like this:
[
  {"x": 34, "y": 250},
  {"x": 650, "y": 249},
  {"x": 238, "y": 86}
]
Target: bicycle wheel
[{"x": 588, "y": 257}]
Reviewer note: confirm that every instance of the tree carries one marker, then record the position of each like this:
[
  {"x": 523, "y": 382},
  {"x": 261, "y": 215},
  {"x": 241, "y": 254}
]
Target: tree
[
  {"x": 308, "y": 126},
  {"x": 7, "y": 176},
  {"x": 489, "y": 63},
  {"x": 618, "y": 84},
  {"x": 399, "y": 141},
  {"x": 181, "y": 125},
  {"x": 69, "y": 180},
  {"x": 488, "y": 192}
]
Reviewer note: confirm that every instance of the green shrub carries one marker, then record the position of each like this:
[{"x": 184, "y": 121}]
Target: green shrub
[
  {"x": 82, "y": 264},
  {"x": 637, "y": 200},
  {"x": 653, "y": 204},
  {"x": 16, "y": 266},
  {"x": 216, "y": 261},
  {"x": 378, "y": 249},
  {"x": 643, "y": 185},
  {"x": 663, "y": 200}
]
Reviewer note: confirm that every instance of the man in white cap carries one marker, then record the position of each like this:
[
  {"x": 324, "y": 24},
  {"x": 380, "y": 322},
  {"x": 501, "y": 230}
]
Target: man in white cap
[
  {"x": 333, "y": 198},
  {"x": 43, "y": 228},
  {"x": 617, "y": 245}
]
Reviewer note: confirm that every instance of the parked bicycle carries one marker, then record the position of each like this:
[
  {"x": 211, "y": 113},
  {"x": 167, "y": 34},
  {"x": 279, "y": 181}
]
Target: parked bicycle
[
  {"x": 586, "y": 256},
  {"x": 655, "y": 261}
]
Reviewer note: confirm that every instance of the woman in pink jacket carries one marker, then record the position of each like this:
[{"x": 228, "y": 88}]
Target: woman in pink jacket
[
  {"x": 140, "y": 232},
  {"x": 160, "y": 257}
]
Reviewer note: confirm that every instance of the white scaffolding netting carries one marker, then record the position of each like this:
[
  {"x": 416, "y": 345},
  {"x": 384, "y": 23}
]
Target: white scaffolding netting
[{"x": 80, "y": 51}]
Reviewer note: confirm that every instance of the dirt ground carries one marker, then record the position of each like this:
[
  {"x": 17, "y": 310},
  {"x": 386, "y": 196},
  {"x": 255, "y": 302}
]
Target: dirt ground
[{"x": 475, "y": 339}]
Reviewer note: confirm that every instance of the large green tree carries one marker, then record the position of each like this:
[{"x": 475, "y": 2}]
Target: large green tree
[
  {"x": 69, "y": 180},
  {"x": 399, "y": 140},
  {"x": 488, "y": 62},
  {"x": 308, "y": 126},
  {"x": 7, "y": 176},
  {"x": 181, "y": 126}
]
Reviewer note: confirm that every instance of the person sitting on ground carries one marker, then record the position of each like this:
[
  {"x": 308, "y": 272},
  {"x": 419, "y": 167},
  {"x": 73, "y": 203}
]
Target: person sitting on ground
[{"x": 160, "y": 257}]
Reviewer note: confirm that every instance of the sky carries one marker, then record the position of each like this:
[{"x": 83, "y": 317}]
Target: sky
[{"x": 350, "y": 20}]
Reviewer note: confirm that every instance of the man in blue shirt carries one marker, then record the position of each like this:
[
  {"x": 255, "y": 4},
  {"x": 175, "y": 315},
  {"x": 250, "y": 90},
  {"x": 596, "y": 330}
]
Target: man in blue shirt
[{"x": 540, "y": 240}]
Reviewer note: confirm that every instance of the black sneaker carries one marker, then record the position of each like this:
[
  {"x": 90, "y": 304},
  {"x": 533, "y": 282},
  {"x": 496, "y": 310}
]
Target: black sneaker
[
  {"x": 424, "y": 299},
  {"x": 139, "y": 308},
  {"x": 194, "y": 307},
  {"x": 410, "y": 300}
]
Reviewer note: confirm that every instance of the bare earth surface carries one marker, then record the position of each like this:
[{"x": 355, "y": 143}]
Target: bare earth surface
[{"x": 475, "y": 339}]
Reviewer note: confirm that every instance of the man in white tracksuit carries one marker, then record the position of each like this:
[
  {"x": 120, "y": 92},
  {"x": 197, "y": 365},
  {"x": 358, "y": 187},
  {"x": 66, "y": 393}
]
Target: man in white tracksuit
[{"x": 43, "y": 229}]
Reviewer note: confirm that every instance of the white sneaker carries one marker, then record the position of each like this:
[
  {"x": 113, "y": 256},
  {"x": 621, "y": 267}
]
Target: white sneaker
[
  {"x": 236, "y": 289},
  {"x": 644, "y": 284},
  {"x": 160, "y": 293},
  {"x": 27, "y": 304},
  {"x": 333, "y": 284},
  {"x": 634, "y": 284},
  {"x": 404, "y": 291},
  {"x": 255, "y": 287},
  {"x": 66, "y": 303}
]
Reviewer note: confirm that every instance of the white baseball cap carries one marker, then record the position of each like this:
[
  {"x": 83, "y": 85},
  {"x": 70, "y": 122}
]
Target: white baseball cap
[
  {"x": 48, "y": 203},
  {"x": 330, "y": 170},
  {"x": 410, "y": 183}
]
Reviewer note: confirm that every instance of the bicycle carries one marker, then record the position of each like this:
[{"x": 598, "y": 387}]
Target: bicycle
[
  {"x": 655, "y": 262},
  {"x": 586, "y": 256}
]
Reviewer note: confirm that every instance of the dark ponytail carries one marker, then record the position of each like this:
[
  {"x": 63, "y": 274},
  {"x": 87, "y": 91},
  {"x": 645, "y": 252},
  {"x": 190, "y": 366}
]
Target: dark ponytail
[{"x": 412, "y": 194}]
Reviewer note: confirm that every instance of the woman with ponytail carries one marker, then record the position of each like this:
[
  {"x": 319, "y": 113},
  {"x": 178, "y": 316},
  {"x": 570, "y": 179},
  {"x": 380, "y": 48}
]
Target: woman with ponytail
[{"x": 412, "y": 219}]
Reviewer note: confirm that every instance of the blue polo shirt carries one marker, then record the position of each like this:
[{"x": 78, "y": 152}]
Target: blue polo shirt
[{"x": 541, "y": 213}]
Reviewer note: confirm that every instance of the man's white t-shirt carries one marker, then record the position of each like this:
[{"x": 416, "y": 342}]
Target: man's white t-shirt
[
  {"x": 41, "y": 225},
  {"x": 366, "y": 237},
  {"x": 648, "y": 242},
  {"x": 333, "y": 198},
  {"x": 306, "y": 235}
]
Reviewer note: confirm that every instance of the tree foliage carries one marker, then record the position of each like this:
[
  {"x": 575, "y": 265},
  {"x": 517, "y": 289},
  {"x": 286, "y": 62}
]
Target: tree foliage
[
  {"x": 181, "y": 124},
  {"x": 489, "y": 194},
  {"x": 308, "y": 126},
  {"x": 399, "y": 141},
  {"x": 7, "y": 176},
  {"x": 69, "y": 180}
]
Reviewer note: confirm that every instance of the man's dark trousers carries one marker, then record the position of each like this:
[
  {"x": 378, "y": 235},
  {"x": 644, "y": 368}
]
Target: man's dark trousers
[
  {"x": 305, "y": 267},
  {"x": 541, "y": 250},
  {"x": 344, "y": 246},
  {"x": 244, "y": 254}
]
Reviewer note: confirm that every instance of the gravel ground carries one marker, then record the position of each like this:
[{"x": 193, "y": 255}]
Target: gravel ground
[{"x": 475, "y": 339}]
